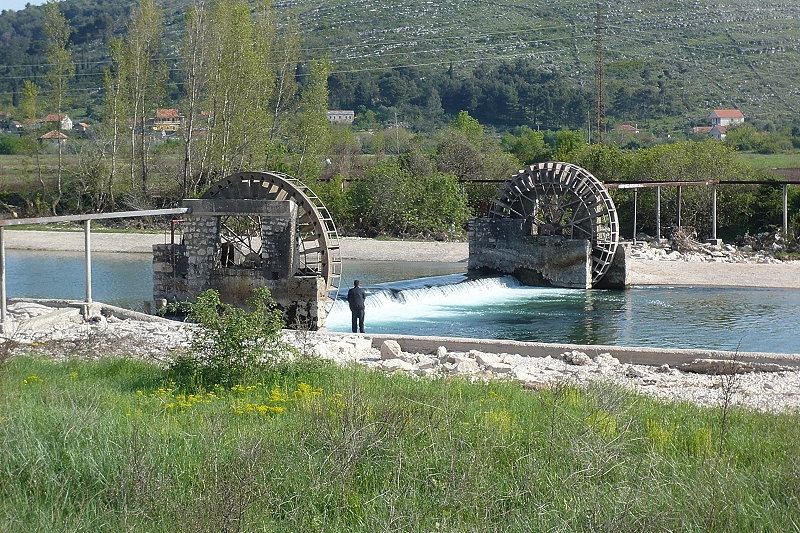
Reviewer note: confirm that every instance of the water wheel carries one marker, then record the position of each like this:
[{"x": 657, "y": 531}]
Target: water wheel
[
  {"x": 563, "y": 199},
  {"x": 317, "y": 239}
]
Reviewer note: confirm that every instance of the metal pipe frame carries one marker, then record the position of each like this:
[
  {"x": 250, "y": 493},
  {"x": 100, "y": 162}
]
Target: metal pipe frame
[{"x": 86, "y": 219}]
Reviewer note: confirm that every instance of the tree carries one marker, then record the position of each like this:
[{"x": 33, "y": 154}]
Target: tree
[
  {"x": 238, "y": 89},
  {"x": 29, "y": 103},
  {"x": 310, "y": 138},
  {"x": 143, "y": 80},
  {"x": 114, "y": 115},
  {"x": 692, "y": 161},
  {"x": 527, "y": 145},
  {"x": 195, "y": 59},
  {"x": 60, "y": 70}
]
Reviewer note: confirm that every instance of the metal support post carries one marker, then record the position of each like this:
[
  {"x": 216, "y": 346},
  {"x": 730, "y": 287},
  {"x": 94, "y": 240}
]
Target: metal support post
[
  {"x": 679, "y": 207},
  {"x": 3, "y": 308},
  {"x": 635, "y": 209},
  {"x": 785, "y": 208},
  {"x": 658, "y": 213},
  {"x": 87, "y": 234},
  {"x": 714, "y": 212}
]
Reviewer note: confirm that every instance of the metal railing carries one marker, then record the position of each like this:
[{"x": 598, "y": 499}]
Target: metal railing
[{"x": 87, "y": 220}]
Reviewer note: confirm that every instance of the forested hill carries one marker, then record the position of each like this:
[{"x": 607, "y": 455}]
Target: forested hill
[{"x": 665, "y": 62}]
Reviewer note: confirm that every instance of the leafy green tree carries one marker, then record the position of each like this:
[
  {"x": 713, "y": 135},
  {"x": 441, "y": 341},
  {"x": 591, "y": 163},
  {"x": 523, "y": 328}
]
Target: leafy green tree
[
  {"x": 527, "y": 145},
  {"x": 143, "y": 77},
  {"x": 568, "y": 144},
  {"x": 692, "y": 161},
  {"x": 239, "y": 116},
  {"x": 110, "y": 131},
  {"x": 310, "y": 137},
  {"x": 195, "y": 60},
  {"x": 469, "y": 126},
  {"x": 60, "y": 70},
  {"x": 743, "y": 137},
  {"x": 392, "y": 201},
  {"x": 29, "y": 103}
]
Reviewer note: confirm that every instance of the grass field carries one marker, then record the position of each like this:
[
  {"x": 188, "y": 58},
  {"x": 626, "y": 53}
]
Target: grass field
[
  {"x": 769, "y": 161},
  {"x": 111, "y": 445}
]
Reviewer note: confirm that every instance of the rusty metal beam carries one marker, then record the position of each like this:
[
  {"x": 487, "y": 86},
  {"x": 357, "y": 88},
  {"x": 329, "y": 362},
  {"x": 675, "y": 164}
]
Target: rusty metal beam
[{"x": 94, "y": 216}]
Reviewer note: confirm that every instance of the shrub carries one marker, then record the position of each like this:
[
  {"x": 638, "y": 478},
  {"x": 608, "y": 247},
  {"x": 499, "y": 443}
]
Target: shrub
[{"x": 232, "y": 345}]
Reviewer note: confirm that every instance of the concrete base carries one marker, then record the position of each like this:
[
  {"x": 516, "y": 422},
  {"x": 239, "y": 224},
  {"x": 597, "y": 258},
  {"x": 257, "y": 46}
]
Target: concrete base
[
  {"x": 499, "y": 246},
  {"x": 635, "y": 355}
]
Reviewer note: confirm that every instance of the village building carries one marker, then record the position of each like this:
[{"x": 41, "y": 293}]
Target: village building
[
  {"x": 726, "y": 117},
  {"x": 167, "y": 120},
  {"x": 341, "y": 116},
  {"x": 53, "y": 137},
  {"x": 60, "y": 121}
]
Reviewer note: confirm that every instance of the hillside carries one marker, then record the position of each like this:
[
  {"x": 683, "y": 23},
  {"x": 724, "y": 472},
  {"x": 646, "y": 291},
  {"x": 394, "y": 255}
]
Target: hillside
[{"x": 669, "y": 62}]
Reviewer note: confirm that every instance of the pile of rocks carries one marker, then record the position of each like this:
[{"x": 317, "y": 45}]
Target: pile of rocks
[
  {"x": 63, "y": 332},
  {"x": 703, "y": 252},
  {"x": 703, "y": 383}
]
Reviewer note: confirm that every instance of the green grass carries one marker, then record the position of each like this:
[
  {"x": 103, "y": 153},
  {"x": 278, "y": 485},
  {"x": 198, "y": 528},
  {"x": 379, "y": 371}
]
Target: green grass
[
  {"x": 112, "y": 446},
  {"x": 770, "y": 161}
]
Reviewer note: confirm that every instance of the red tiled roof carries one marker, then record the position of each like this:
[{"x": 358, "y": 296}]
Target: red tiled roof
[
  {"x": 167, "y": 113},
  {"x": 727, "y": 113},
  {"x": 53, "y": 117},
  {"x": 53, "y": 135}
]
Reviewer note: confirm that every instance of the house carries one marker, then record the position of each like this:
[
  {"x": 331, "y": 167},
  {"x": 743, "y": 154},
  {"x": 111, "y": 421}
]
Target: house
[
  {"x": 81, "y": 127},
  {"x": 341, "y": 117},
  {"x": 627, "y": 128},
  {"x": 718, "y": 132},
  {"x": 701, "y": 130},
  {"x": 167, "y": 120},
  {"x": 58, "y": 119},
  {"x": 53, "y": 137},
  {"x": 726, "y": 117}
]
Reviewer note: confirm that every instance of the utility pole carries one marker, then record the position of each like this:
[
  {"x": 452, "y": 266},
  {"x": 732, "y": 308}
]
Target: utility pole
[{"x": 599, "y": 73}]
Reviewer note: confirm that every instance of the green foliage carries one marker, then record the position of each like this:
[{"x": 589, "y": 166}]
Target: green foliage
[
  {"x": 231, "y": 345},
  {"x": 14, "y": 144},
  {"x": 527, "y": 145},
  {"x": 392, "y": 201},
  {"x": 111, "y": 445}
]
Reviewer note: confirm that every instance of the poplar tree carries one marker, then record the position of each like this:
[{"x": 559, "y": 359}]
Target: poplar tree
[
  {"x": 115, "y": 111},
  {"x": 29, "y": 103},
  {"x": 60, "y": 70},
  {"x": 237, "y": 88},
  {"x": 310, "y": 136},
  {"x": 195, "y": 58},
  {"x": 143, "y": 79}
]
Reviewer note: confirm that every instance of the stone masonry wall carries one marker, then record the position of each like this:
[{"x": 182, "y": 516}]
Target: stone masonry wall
[
  {"x": 500, "y": 246},
  {"x": 182, "y": 271}
]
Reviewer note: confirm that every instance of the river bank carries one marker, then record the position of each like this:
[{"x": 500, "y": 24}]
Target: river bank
[
  {"x": 646, "y": 266},
  {"x": 765, "y": 382}
]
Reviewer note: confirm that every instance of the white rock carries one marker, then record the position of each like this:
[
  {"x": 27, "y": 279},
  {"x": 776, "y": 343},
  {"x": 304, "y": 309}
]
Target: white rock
[
  {"x": 397, "y": 364},
  {"x": 498, "y": 368},
  {"x": 390, "y": 349},
  {"x": 466, "y": 366},
  {"x": 485, "y": 359}
]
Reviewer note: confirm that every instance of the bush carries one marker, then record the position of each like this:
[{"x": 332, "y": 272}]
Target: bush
[{"x": 231, "y": 345}]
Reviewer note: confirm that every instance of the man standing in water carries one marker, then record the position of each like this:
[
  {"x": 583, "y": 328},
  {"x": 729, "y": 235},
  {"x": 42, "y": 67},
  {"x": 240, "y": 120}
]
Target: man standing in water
[{"x": 356, "y": 297}]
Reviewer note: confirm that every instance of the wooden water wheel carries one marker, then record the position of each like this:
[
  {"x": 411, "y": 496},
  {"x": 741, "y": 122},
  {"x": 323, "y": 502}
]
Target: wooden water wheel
[{"x": 563, "y": 199}]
